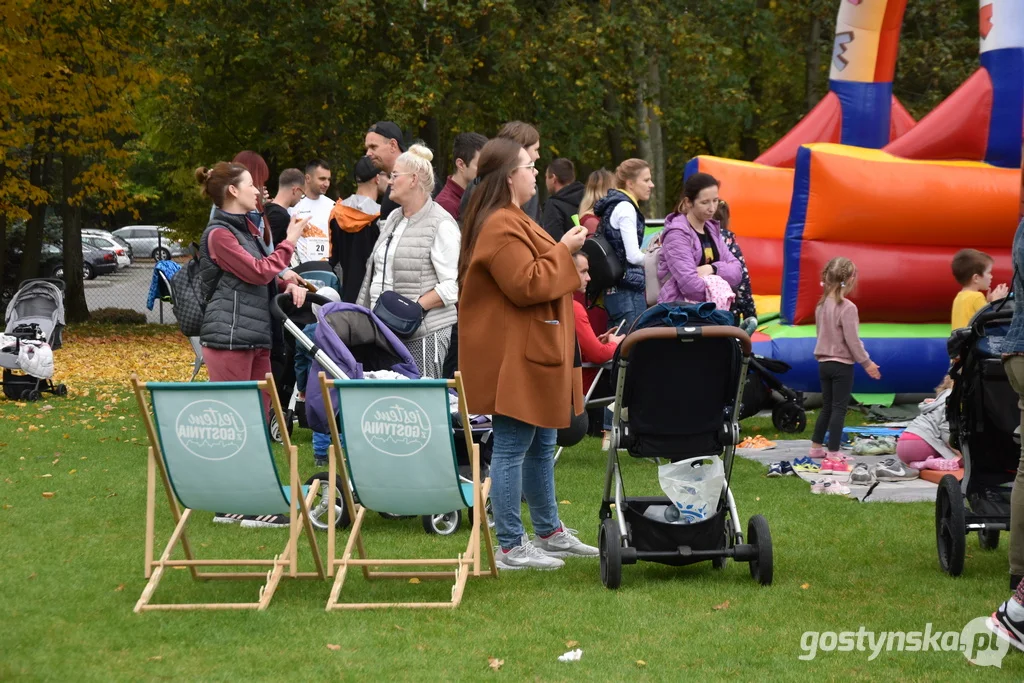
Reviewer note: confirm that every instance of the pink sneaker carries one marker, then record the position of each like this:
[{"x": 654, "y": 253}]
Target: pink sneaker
[
  {"x": 826, "y": 466},
  {"x": 836, "y": 464},
  {"x": 816, "y": 453}
]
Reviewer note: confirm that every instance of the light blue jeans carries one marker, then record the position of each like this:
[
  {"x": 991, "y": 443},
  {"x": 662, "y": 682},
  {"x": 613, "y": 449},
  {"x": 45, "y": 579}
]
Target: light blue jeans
[
  {"x": 624, "y": 304},
  {"x": 522, "y": 462},
  {"x": 321, "y": 442}
]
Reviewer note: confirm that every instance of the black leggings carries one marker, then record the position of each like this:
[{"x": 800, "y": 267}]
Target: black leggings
[{"x": 836, "y": 387}]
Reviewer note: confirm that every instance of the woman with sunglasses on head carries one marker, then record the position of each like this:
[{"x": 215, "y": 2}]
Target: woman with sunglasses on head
[
  {"x": 517, "y": 346},
  {"x": 417, "y": 258}
]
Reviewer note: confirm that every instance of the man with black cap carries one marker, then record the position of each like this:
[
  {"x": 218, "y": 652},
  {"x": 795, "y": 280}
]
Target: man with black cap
[
  {"x": 384, "y": 143},
  {"x": 354, "y": 227}
]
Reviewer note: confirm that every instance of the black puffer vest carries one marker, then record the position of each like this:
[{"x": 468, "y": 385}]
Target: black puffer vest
[
  {"x": 632, "y": 275},
  {"x": 238, "y": 315}
]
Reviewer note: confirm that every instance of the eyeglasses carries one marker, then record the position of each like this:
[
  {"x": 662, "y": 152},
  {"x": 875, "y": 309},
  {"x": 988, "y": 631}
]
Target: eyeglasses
[
  {"x": 395, "y": 174},
  {"x": 530, "y": 166}
]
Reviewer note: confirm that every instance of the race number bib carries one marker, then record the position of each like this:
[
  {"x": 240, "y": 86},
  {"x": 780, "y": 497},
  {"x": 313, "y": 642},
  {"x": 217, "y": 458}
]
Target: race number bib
[{"x": 314, "y": 245}]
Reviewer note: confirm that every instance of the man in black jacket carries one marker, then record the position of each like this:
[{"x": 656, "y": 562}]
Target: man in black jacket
[{"x": 565, "y": 194}]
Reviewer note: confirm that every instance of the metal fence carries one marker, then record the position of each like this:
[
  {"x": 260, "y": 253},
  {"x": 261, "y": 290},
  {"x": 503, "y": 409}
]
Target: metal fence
[{"x": 129, "y": 288}]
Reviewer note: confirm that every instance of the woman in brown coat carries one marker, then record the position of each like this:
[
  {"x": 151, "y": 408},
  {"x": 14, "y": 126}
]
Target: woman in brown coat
[{"x": 517, "y": 343}]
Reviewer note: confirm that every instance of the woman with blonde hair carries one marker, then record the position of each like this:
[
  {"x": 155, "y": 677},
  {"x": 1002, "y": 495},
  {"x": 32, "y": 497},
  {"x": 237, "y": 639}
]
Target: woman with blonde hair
[
  {"x": 598, "y": 184},
  {"x": 623, "y": 224},
  {"x": 413, "y": 268}
]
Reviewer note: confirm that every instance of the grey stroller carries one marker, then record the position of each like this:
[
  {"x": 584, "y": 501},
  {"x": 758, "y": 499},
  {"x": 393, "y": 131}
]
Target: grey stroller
[{"x": 35, "y": 313}]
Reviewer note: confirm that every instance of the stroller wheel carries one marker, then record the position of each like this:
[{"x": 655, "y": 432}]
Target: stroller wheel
[
  {"x": 444, "y": 524},
  {"x": 60, "y": 390},
  {"x": 950, "y": 529},
  {"x": 610, "y": 546},
  {"x": 988, "y": 539},
  {"x": 758, "y": 535},
  {"x": 33, "y": 395},
  {"x": 318, "y": 511},
  {"x": 789, "y": 417}
]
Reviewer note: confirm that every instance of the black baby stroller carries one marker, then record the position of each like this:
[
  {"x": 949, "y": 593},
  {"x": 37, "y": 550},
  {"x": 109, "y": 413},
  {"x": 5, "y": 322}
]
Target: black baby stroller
[
  {"x": 983, "y": 420},
  {"x": 763, "y": 391},
  {"x": 676, "y": 397},
  {"x": 349, "y": 341},
  {"x": 35, "y": 313}
]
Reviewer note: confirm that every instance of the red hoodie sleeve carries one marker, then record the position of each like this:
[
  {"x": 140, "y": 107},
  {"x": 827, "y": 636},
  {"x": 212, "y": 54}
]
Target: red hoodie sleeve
[
  {"x": 227, "y": 253},
  {"x": 591, "y": 348}
]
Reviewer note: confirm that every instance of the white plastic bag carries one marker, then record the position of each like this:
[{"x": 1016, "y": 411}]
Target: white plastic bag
[{"x": 694, "y": 486}]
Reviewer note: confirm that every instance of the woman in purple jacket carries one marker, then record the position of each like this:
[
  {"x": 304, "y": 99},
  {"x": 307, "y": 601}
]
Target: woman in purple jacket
[{"x": 692, "y": 245}]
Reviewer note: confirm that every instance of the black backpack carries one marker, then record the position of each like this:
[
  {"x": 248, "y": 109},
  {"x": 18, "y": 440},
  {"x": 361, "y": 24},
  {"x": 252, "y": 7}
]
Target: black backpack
[{"x": 188, "y": 301}]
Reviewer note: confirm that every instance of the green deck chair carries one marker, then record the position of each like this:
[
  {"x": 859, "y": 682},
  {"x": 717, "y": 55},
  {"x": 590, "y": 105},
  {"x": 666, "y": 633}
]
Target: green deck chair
[
  {"x": 399, "y": 456},
  {"x": 210, "y": 445}
]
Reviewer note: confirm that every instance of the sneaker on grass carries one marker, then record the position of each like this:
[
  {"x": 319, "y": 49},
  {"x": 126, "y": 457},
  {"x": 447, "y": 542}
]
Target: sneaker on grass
[
  {"x": 564, "y": 543},
  {"x": 227, "y": 518},
  {"x": 525, "y": 556},
  {"x": 774, "y": 470},
  {"x": 1007, "y": 622},
  {"x": 266, "y": 522}
]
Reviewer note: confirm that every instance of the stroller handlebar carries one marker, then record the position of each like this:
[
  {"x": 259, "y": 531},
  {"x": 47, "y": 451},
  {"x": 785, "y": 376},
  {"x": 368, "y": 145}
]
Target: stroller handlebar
[
  {"x": 685, "y": 332},
  {"x": 283, "y": 308}
]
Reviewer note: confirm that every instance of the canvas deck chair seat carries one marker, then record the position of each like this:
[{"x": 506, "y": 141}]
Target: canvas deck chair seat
[
  {"x": 210, "y": 445},
  {"x": 399, "y": 455}
]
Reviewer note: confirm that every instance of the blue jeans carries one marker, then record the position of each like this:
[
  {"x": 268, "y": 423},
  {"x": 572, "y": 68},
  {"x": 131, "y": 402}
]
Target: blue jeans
[
  {"x": 624, "y": 304},
  {"x": 522, "y": 462},
  {"x": 321, "y": 442}
]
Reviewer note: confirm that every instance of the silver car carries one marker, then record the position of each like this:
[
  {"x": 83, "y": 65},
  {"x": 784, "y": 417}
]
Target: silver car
[{"x": 150, "y": 241}]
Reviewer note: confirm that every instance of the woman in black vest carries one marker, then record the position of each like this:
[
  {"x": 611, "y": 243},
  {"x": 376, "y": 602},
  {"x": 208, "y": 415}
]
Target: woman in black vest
[
  {"x": 623, "y": 225},
  {"x": 239, "y": 269}
]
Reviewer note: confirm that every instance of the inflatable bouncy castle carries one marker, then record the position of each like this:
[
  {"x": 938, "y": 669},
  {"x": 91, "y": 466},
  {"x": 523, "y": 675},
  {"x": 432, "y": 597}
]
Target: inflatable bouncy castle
[{"x": 857, "y": 177}]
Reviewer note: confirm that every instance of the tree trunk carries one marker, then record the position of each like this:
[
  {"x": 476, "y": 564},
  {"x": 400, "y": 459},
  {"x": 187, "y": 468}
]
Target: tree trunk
[
  {"x": 3, "y": 230},
  {"x": 661, "y": 193},
  {"x": 612, "y": 130},
  {"x": 38, "y": 176},
  {"x": 813, "y": 63},
  {"x": 644, "y": 148},
  {"x": 75, "y": 307}
]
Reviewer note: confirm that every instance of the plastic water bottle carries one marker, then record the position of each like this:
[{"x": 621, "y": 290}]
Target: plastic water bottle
[{"x": 671, "y": 513}]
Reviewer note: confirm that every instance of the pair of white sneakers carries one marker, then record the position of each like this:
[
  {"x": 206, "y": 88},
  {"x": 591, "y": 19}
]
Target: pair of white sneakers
[{"x": 544, "y": 553}]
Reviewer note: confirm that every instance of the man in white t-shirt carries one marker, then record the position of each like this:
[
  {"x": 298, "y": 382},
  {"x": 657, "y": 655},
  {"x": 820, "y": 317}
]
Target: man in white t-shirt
[{"x": 315, "y": 243}]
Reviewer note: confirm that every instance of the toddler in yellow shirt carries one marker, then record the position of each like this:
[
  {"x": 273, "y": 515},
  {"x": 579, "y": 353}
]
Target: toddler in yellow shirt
[{"x": 973, "y": 270}]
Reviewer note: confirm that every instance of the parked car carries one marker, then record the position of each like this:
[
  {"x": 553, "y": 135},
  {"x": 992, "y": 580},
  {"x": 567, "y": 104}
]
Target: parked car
[
  {"x": 108, "y": 243},
  {"x": 109, "y": 235},
  {"x": 151, "y": 241},
  {"x": 51, "y": 262}
]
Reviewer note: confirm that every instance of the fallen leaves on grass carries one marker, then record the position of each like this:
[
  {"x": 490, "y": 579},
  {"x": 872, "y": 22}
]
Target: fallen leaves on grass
[
  {"x": 156, "y": 658},
  {"x": 805, "y": 586},
  {"x": 48, "y": 494},
  {"x": 120, "y": 587},
  {"x": 571, "y": 643},
  {"x": 32, "y": 576},
  {"x": 724, "y": 605},
  {"x": 91, "y": 357},
  {"x": 641, "y": 663},
  {"x": 332, "y": 647},
  {"x": 495, "y": 663},
  {"x": 414, "y": 580}
]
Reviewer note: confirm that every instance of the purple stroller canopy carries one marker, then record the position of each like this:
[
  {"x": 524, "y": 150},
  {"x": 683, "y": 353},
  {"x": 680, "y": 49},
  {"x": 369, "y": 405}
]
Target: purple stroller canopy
[{"x": 357, "y": 341}]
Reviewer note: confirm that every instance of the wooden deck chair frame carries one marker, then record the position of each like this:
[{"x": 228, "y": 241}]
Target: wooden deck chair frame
[
  {"x": 287, "y": 560},
  {"x": 469, "y": 561}
]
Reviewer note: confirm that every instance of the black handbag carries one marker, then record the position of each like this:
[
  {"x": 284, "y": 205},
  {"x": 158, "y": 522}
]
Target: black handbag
[{"x": 402, "y": 315}]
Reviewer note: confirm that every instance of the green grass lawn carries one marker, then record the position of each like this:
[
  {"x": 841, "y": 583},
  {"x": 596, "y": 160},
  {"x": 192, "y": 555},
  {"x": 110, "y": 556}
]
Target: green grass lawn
[{"x": 72, "y": 569}]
